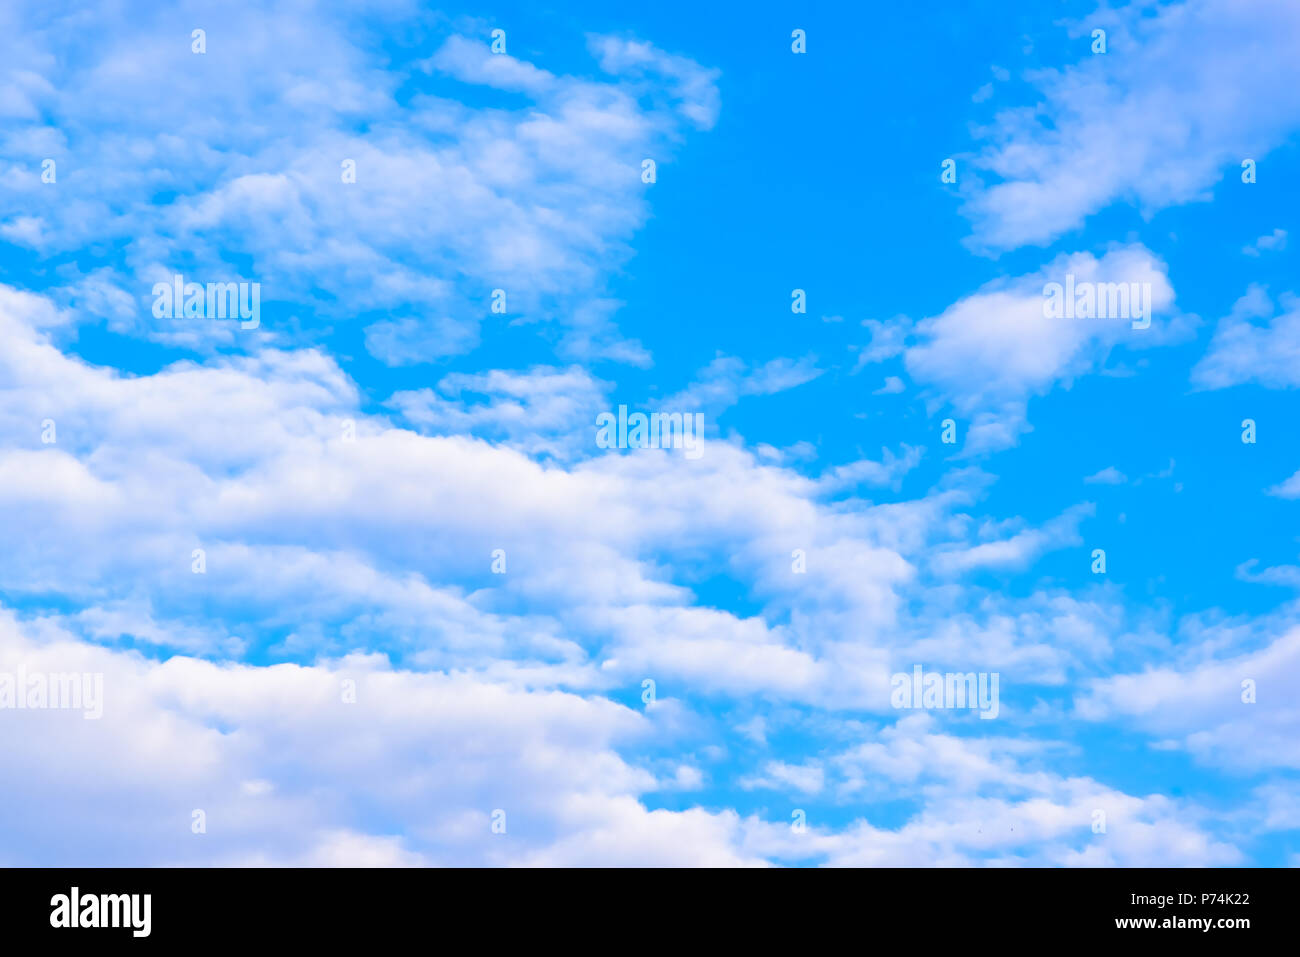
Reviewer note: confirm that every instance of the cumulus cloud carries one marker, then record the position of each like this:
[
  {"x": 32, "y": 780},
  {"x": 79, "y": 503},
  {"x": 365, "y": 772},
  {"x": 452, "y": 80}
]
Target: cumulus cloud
[
  {"x": 541, "y": 411},
  {"x": 1270, "y": 242},
  {"x": 991, "y": 802},
  {"x": 301, "y": 765},
  {"x": 242, "y": 538},
  {"x": 1256, "y": 342},
  {"x": 444, "y": 205},
  {"x": 1144, "y": 122},
  {"x": 1230, "y": 711},
  {"x": 990, "y": 352}
]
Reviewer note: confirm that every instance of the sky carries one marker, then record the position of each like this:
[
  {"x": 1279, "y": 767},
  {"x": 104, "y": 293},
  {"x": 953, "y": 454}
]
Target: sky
[{"x": 353, "y": 579}]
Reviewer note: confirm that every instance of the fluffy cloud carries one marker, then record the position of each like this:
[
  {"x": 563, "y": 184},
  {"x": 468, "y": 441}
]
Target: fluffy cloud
[
  {"x": 988, "y": 353},
  {"x": 1270, "y": 242},
  {"x": 306, "y": 765},
  {"x": 544, "y": 411},
  {"x": 496, "y": 586},
  {"x": 1288, "y": 489},
  {"x": 538, "y": 199},
  {"x": 986, "y": 801},
  {"x": 1234, "y": 711},
  {"x": 324, "y": 530},
  {"x": 1256, "y": 342},
  {"x": 1169, "y": 111}
]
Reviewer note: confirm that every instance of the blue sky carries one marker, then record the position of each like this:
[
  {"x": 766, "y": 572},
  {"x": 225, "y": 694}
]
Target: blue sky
[{"x": 349, "y": 680}]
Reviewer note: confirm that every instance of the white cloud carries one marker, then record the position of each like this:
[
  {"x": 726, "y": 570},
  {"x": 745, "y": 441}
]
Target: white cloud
[
  {"x": 316, "y": 545},
  {"x": 991, "y": 351},
  {"x": 893, "y": 385},
  {"x": 288, "y": 770},
  {"x": 1202, "y": 707},
  {"x": 1107, "y": 476},
  {"x": 988, "y": 802},
  {"x": 1288, "y": 489},
  {"x": 888, "y": 339},
  {"x": 1254, "y": 343},
  {"x": 727, "y": 379},
  {"x": 542, "y": 411},
  {"x": 472, "y": 61},
  {"x": 1018, "y": 550},
  {"x": 888, "y": 471},
  {"x": 1284, "y": 575},
  {"x": 538, "y": 198},
  {"x": 1146, "y": 121},
  {"x": 186, "y": 734},
  {"x": 1270, "y": 242},
  {"x": 367, "y": 555},
  {"x": 791, "y": 779},
  {"x": 693, "y": 87}
]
